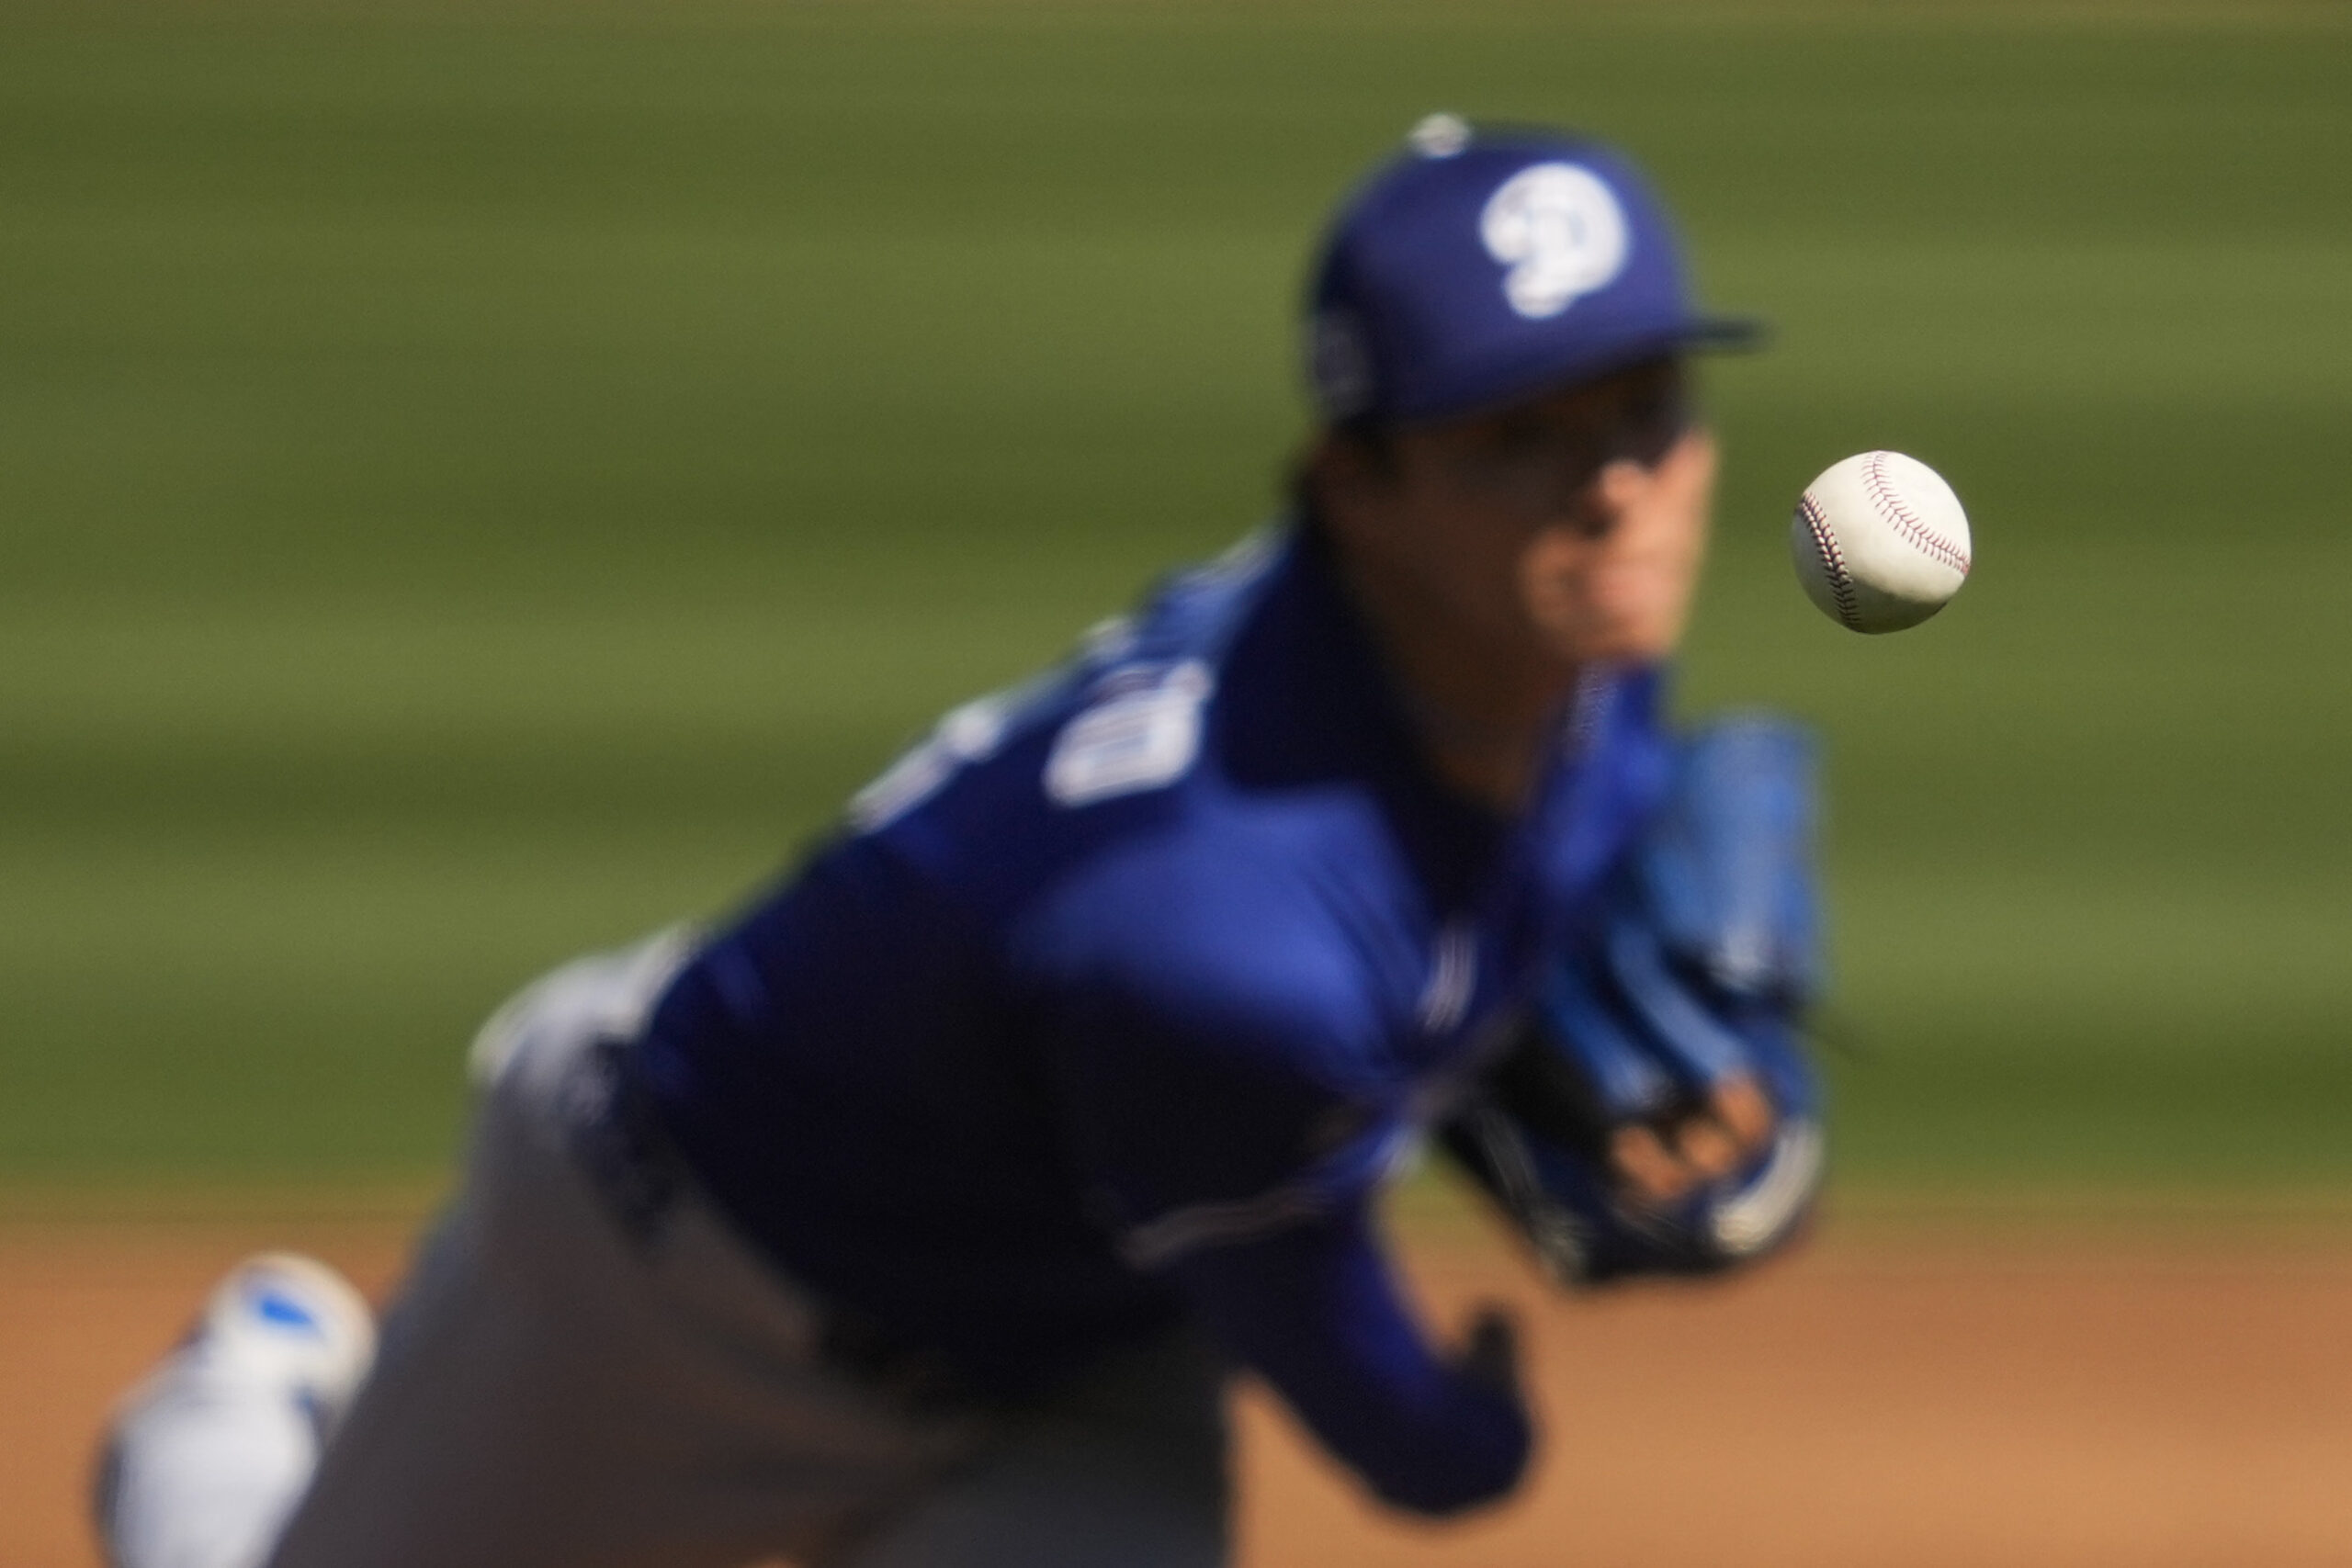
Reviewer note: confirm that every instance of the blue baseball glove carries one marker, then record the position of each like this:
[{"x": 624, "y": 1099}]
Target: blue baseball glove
[{"x": 1692, "y": 979}]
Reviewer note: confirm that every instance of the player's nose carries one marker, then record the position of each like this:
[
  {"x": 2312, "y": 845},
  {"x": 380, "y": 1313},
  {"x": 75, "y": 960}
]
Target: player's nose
[{"x": 1594, "y": 509}]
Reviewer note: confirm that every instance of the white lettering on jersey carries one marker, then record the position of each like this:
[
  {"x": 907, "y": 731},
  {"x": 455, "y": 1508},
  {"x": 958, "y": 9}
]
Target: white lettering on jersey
[{"x": 1145, "y": 735}]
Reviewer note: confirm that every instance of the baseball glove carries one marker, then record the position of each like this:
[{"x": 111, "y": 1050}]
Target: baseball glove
[{"x": 1695, "y": 972}]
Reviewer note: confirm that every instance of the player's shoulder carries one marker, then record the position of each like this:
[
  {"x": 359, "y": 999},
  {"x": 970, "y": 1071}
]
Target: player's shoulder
[
  {"x": 1207, "y": 917},
  {"x": 1121, "y": 739},
  {"x": 1119, "y": 716},
  {"x": 1204, "y": 796}
]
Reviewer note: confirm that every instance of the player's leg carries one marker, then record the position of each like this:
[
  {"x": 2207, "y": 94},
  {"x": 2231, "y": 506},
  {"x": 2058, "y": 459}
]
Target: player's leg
[
  {"x": 1126, "y": 1469},
  {"x": 571, "y": 1381},
  {"x": 208, "y": 1456},
  {"x": 566, "y": 1381}
]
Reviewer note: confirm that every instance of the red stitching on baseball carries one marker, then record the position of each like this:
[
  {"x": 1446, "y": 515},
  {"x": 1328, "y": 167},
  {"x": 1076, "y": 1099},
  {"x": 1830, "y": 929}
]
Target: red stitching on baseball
[
  {"x": 1908, "y": 523},
  {"x": 1841, "y": 585}
]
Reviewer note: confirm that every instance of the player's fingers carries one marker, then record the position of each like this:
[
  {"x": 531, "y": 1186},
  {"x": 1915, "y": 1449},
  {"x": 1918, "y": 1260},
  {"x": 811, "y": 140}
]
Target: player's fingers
[
  {"x": 1719, "y": 1138},
  {"x": 1740, "y": 1106},
  {"x": 1706, "y": 1146},
  {"x": 1490, "y": 1352},
  {"x": 1647, "y": 1167}
]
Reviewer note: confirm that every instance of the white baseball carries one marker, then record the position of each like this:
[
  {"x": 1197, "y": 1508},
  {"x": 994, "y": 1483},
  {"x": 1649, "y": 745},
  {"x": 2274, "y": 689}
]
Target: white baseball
[{"x": 1880, "y": 542}]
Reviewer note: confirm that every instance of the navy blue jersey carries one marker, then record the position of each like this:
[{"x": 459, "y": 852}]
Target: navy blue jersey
[{"x": 1120, "y": 993}]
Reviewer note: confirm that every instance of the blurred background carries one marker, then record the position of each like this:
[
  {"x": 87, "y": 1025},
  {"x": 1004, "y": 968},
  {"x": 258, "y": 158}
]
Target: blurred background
[{"x": 479, "y": 482}]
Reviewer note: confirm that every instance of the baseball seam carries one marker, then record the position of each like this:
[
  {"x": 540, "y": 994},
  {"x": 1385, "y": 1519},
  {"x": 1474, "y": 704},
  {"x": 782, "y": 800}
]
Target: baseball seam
[
  {"x": 1841, "y": 583},
  {"x": 1908, "y": 523}
]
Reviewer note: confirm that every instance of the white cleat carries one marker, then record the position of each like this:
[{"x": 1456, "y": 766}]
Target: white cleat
[
  {"x": 206, "y": 1457},
  {"x": 282, "y": 1317}
]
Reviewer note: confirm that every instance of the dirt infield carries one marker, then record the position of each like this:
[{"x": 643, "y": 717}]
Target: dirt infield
[{"x": 1890, "y": 1398}]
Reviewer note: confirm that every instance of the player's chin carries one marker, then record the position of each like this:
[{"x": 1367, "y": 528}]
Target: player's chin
[
  {"x": 1629, "y": 616},
  {"x": 1631, "y": 637}
]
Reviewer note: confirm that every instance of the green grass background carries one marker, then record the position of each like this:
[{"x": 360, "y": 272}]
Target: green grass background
[{"x": 476, "y": 482}]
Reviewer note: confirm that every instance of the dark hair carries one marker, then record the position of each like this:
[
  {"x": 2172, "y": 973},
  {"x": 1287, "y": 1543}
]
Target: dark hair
[
  {"x": 1374, "y": 442},
  {"x": 1370, "y": 440}
]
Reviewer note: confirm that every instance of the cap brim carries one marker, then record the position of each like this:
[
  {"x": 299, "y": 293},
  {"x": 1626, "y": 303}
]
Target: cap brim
[
  {"x": 1545, "y": 373},
  {"x": 1726, "y": 334}
]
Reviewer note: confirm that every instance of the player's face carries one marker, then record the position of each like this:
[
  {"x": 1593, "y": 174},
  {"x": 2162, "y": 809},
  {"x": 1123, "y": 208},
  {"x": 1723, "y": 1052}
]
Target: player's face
[{"x": 1572, "y": 525}]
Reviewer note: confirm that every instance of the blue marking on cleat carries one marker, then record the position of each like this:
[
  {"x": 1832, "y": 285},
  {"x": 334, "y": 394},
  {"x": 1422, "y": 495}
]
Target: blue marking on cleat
[{"x": 274, "y": 1307}]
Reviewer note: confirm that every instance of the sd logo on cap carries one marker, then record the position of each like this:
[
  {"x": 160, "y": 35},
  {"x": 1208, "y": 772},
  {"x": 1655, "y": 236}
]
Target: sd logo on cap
[{"x": 1478, "y": 268}]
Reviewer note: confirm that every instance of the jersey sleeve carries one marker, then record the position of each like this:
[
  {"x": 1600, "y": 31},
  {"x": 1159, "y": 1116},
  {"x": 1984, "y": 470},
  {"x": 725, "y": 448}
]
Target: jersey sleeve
[
  {"x": 1223, "y": 1076},
  {"x": 1220, "y": 1070}
]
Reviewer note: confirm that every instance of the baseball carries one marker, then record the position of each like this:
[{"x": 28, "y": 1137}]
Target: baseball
[{"x": 1880, "y": 542}]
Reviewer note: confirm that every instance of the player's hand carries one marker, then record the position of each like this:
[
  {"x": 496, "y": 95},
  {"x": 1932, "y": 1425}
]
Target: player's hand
[
  {"x": 1663, "y": 1161},
  {"x": 1490, "y": 1352}
]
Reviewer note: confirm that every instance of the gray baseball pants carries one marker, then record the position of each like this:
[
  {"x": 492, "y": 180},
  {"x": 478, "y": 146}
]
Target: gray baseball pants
[{"x": 558, "y": 1388}]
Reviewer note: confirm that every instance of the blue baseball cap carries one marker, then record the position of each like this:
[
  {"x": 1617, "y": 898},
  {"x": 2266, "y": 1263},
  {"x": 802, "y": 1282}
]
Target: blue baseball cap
[{"x": 1478, "y": 268}]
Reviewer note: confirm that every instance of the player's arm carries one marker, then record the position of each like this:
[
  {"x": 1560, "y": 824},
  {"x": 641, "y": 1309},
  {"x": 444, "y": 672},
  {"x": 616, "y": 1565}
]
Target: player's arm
[
  {"x": 1227, "y": 1091},
  {"x": 1288, "y": 1275},
  {"x": 1250, "y": 1187},
  {"x": 1314, "y": 1309}
]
